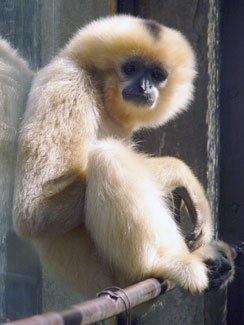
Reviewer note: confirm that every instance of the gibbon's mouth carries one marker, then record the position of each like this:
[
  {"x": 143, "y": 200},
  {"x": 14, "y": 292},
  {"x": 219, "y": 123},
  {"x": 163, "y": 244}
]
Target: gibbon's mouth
[{"x": 139, "y": 98}]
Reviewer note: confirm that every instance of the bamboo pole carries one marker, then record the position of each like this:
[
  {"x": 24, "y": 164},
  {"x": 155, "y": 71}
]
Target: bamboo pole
[{"x": 101, "y": 308}]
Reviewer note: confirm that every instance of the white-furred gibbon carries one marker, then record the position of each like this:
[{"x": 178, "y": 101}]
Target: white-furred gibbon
[{"x": 95, "y": 208}]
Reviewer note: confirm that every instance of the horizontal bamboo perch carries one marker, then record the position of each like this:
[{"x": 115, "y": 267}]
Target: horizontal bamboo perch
[{"x": 101, "y": 308}]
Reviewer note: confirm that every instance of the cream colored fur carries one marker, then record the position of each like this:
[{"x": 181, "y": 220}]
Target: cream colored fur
[
  {"x": 95, "y": 208},
  {"x": 15, "y": 79}
]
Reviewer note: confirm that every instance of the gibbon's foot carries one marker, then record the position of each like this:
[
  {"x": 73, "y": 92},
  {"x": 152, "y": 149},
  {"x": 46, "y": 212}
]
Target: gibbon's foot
[{"x": 219, "y": 272}]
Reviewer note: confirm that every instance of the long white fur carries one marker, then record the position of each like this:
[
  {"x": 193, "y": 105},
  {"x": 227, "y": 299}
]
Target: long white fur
[{"x": 93, "y": 206}]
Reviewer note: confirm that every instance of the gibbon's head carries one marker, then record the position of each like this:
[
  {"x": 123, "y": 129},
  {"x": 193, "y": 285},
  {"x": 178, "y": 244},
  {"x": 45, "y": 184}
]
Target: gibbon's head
[{"x": 144, "y": 70}]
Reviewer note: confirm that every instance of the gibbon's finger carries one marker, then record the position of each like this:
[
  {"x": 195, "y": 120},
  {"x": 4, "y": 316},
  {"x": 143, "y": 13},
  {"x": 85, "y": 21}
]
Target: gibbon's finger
[
  {"x": 178, "y": 195},
  {"x": 176, "y": 206},
  {"x": 185, "y": 196}
]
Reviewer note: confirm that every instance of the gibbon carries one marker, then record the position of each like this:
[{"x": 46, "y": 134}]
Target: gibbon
[{"x": 95, "y": 208}]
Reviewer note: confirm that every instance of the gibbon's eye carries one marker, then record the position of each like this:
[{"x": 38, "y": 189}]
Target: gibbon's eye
[
  {"x": 131, "y": 68},
  {"x": 158, "y": 74}
]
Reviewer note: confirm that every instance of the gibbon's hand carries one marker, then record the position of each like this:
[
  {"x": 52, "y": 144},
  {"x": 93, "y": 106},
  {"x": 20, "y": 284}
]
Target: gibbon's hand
[
  {"x": 220, "y": 271},
  {"x": 220, "y": 268}
]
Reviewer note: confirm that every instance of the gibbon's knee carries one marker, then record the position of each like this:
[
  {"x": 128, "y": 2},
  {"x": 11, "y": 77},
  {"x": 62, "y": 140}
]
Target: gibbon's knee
[
  {"x": 113, "y": 160},
  {"x": 118, "y": 179},
  {"x": 102, "y": 153}
]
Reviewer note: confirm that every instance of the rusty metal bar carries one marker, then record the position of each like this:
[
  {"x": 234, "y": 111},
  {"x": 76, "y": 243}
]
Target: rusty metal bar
[{"x": 101, "y": 308}]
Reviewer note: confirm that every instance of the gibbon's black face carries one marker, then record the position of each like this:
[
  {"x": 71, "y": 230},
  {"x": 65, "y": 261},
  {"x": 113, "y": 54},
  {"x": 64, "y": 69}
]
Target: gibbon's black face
[{"x": 142, "y": 81}]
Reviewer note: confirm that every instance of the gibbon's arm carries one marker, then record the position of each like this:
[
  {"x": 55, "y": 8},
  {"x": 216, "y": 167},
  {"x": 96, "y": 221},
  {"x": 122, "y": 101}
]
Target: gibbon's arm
[
  {"x": 130, "y": 223},
  {"x": 172, "y": 173},
  {"x": 59, "y": 122}
]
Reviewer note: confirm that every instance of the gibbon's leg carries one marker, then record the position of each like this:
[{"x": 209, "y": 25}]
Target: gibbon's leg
[
  {"x": 72, "y": 258},
  {"x": 130, "y": 223},
  {"x": 172, "y": 173}
]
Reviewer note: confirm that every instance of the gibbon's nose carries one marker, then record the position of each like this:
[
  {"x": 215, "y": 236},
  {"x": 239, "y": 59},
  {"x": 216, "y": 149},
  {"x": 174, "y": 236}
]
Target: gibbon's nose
[
  {"x": 138, "y": 95},
  {"x": 140, "y": 90},
  {"x": 145, "y": 83}
]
